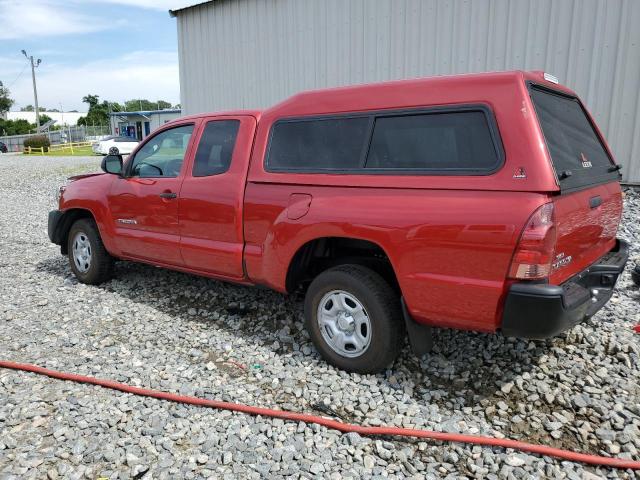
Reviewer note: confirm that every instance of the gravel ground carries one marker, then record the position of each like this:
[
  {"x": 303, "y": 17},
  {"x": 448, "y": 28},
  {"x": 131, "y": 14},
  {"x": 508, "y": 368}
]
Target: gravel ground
[{"x": 178, "y": 333}]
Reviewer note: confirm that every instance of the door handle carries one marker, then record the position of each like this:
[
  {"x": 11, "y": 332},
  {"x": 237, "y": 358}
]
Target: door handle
[{"x": 168, "y": 195}]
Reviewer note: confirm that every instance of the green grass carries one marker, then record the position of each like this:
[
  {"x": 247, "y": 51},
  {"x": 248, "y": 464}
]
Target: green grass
[{"x": 77, "y": 152}]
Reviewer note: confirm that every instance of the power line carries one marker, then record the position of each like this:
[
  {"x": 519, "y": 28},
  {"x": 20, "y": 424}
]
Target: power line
[{"x": 19, "y": 75}]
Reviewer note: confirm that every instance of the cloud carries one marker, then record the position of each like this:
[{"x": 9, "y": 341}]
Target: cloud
[
  {"x": 44, "y": 18},
  {"x": 142, "y": 74}
]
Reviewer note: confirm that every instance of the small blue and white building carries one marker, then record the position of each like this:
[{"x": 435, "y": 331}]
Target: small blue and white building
[{"x": 140, "y": 124}]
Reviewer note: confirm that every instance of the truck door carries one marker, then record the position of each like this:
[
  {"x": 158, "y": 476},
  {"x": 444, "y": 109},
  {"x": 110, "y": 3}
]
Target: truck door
[
  {"x": 144, "y": 202},
  {"x": 212, "y": 195}
]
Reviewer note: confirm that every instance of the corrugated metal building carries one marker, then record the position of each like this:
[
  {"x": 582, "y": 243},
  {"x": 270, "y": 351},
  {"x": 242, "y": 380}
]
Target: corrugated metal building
[{"x": 254, "y": 53}]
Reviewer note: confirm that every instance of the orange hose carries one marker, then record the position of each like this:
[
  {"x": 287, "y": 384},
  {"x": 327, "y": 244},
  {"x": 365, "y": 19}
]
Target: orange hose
[{"x": 334, "y": 424}]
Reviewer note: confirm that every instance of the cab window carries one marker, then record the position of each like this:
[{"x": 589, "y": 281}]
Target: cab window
[
  {"x": 162, "y": 155},
  {"x": 216, "y": 148}
]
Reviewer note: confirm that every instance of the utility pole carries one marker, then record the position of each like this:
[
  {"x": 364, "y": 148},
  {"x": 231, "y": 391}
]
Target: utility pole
[{"x": 35, "y": 89}]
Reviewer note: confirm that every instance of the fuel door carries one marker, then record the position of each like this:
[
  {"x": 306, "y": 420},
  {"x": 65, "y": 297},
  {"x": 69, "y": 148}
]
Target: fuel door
[{"x": 298, "y": 206}]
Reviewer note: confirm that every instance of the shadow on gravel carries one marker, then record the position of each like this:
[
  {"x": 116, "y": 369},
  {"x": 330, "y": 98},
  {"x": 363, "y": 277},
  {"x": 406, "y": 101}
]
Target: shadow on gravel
[
  {"x": 463, "y": 368},
  {"x": 467, "y": 372}
]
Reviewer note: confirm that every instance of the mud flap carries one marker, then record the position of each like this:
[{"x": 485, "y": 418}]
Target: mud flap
[
  {"x": 635, "y": 275},
  {"x": 420, "y": 336}
]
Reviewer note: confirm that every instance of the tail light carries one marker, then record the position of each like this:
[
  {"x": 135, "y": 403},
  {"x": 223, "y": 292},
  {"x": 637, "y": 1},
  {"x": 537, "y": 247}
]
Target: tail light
[{"x": 534, "y": 254}]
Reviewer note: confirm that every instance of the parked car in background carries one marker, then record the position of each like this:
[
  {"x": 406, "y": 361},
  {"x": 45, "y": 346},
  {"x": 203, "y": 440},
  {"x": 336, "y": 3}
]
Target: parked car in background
[
  {"x": 114, "y": 145},
  {"x": 3, "y": 148},
  {"x": 480, "y": 202}
]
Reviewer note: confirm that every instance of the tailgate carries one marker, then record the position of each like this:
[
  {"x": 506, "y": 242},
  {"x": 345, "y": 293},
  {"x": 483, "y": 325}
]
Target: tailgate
[{"x": 586, "y": 222}]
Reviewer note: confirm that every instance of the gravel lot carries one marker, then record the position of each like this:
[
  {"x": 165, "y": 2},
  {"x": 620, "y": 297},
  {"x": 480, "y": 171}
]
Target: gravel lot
[{"x": 178, "y": 333}]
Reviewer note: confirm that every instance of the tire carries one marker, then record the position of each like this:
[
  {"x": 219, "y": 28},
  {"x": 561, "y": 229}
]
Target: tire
[
  {"x": 97, "y": 266},
  {"x": 345, "y": 289}
]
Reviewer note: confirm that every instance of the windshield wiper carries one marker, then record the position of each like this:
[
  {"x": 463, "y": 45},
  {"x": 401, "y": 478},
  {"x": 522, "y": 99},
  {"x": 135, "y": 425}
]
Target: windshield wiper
[{"x": 615, "y": 168}]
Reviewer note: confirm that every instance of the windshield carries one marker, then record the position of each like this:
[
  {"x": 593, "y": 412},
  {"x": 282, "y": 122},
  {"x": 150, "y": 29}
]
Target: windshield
[{"x": 579, "y": 157}]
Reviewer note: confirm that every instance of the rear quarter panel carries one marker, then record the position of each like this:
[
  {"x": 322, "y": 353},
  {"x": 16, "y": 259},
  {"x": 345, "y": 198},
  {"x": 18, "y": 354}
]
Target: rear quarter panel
[{"x": 450, "y": 249}]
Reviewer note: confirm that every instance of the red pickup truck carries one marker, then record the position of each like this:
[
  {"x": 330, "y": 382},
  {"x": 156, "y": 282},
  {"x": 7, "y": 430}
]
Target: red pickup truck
[{"x": 480, "y": 202}]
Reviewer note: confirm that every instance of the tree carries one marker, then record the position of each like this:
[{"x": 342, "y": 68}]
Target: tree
[
  {"x": 16, "y": 127},
  {"x": 5, "y": 100},
  {"x": 98, "y": 113},
  {"x": 139, "y": 104},
  {"x": 29, "y": 108},
  {"x": 92, "y": 100}
]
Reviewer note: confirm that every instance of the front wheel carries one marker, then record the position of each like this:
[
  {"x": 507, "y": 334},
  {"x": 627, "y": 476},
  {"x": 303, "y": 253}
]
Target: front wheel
[
  {"x": 354, "y": 319},
  {"x": 89, "y": 260}
]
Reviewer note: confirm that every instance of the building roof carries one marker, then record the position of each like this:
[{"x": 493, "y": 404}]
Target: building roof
[
  {"x": 193, "y": 3},
  {"x": 145, "y": 112}
]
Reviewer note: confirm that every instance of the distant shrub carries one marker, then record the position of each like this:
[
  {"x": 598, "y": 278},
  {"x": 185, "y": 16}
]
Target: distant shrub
[{"x": 37, "y": 141}]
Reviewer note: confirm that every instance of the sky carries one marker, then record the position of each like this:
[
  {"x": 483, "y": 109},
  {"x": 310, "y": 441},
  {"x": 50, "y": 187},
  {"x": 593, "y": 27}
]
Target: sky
[{"x": 117, "y": 49}]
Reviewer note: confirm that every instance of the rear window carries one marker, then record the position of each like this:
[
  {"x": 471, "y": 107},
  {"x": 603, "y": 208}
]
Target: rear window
[
  {"x": 316, "y": 145},
  {"x": 577, "y": 154},
  {"x": 434, "y": 141}
]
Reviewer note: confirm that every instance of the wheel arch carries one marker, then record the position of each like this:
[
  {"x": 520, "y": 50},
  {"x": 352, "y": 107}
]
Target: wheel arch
[
  {"x": 321, "y": 253},
  {"x": 68, "y": 218}
]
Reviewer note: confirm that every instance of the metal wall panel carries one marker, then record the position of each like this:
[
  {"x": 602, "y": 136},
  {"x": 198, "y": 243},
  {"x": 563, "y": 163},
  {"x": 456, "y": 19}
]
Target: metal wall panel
[{"x": 254, "y": 53}]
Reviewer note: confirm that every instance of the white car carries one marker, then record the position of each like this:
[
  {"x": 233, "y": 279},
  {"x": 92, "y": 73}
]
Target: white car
[{"x": 114, "y": 145}]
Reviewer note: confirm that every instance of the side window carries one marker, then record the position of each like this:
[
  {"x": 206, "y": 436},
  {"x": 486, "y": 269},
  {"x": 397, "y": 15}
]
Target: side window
[
  {"x": 163, "y": 154},
  {"x": 438, "y": 141},
  {"x": 216, "y": 148},
  {"x": 316, "y": 145}
]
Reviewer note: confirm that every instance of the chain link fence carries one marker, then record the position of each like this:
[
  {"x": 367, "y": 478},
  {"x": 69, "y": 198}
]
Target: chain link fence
[
  {"x": 96, "y": 131},
  {"x": 15, "y": 143}
]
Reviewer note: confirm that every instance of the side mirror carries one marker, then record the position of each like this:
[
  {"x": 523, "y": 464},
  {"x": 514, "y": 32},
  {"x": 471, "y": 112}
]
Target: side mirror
[{"x": 112, "y": 164}]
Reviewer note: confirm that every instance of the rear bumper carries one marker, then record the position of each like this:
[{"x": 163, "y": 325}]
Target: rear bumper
[{"x": 543, "y": 311}]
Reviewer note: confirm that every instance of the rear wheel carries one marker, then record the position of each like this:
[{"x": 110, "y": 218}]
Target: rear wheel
[
  {"x": 354, "y": 319},
  {"x": 89, "y": 260}
]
